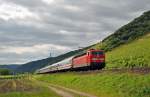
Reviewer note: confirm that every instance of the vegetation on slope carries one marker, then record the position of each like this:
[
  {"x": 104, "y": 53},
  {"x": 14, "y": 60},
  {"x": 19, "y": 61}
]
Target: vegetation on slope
[
  {"x": 135, "y": 54},
  {"x": 5, "y": 72},
  {"x": 103, "y": 84},
  {"x": 10, "y": 67},
  {"x": 133, "y": 30}
]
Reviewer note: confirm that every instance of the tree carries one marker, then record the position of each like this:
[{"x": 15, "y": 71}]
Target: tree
[{"x": 4, "y": 71}]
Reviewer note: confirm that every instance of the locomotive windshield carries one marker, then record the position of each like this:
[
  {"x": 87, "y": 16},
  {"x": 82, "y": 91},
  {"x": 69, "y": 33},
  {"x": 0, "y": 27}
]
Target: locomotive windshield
[{"x": 97, "y": 53}]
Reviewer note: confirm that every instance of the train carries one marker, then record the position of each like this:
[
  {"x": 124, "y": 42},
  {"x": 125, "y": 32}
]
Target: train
[{"x": 90, "y": 60}]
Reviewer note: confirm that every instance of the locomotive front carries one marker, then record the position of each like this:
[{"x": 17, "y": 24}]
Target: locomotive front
[{"x": 96, "y": 59}]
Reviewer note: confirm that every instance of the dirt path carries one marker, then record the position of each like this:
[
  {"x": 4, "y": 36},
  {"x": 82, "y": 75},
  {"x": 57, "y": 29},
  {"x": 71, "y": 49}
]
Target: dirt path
[
  {"x": 61, "y": 92},
  {"x": 67, "y": 92}
]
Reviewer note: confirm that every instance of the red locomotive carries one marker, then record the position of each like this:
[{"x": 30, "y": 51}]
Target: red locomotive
[{"x": 92, "y": 59}]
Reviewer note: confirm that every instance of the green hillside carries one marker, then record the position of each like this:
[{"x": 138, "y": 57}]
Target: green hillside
[
  {"x": 129, "y": 32},
  {"x": 135, "y": 29},
  {"x": 134, "y": 54}
]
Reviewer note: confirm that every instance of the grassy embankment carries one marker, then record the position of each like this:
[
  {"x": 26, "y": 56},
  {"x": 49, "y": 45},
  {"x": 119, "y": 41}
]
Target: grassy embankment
[
  {"x": 103, "y": 84},
  {"x": 23, "y": 87}
]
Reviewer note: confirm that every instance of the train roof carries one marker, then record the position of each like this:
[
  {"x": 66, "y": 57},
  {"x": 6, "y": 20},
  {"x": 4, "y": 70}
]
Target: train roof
[
  {"x": 60, "y": 62},
  {"x": 94, "y": 50}
]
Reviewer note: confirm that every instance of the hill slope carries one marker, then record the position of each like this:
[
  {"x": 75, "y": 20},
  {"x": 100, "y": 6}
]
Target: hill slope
[
  {"x": 134, "y": 54},
  {"x": 128, "y": 33},
  {"x": 10, "y": 67}
]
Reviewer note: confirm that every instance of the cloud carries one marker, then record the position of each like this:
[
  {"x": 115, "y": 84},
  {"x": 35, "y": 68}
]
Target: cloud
[
  {"x": 22, "y": 53},
  {"x": 30, "y": 30},
  {"x": 48, "y": 1},
  {"x": 12, "y": 11},
  {"x": 33, "y": 49}
]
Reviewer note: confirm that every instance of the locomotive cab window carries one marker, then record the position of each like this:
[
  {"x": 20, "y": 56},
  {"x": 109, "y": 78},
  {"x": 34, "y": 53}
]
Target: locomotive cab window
[{"x": 97, "y": 53}]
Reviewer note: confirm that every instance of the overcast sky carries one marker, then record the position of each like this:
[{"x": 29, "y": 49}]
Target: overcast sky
[{"x": 30, "y": 29}]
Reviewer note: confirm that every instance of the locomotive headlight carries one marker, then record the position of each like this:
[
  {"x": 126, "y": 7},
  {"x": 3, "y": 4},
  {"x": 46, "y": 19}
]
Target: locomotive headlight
[
  {"x": 101, "y": 59},
  {"x": 97, "y": 59},
  {"x": 94, "y": 59}
]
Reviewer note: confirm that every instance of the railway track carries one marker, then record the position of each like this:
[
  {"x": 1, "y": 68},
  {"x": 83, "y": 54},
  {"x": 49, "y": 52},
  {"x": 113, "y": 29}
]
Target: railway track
[{"x": 142, "y": 70}]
